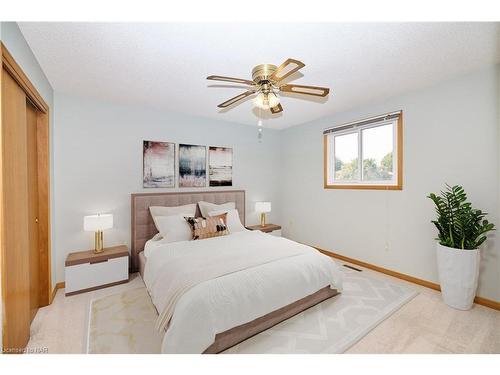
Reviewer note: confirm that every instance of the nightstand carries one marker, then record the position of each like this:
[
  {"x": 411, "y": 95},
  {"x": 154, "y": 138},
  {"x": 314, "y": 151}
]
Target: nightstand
[
  {"x": 86, "y": 270},
  {"x": 273, "y": 229}
]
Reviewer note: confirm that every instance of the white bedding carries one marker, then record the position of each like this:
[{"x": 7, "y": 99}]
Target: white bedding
[
  {"x": 218, "y": 304},
  {"x": 152, "y": 244}
]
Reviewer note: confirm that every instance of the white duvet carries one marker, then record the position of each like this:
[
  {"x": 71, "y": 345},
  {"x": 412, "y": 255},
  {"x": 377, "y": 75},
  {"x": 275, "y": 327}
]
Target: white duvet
[{"x": 201, "y": 288}]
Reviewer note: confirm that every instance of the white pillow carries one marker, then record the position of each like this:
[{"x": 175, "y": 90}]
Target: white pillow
[
  {"x": 233, "y": 221},
  {"x": 173, "y": 228},
  {"x": 186, "y": 210},
  {"x": 156, "y": 237},
  {"x": 206, "y": 207}
]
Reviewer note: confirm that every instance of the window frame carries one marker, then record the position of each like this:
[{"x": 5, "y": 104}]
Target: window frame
[{"x": 368, "y": 185}]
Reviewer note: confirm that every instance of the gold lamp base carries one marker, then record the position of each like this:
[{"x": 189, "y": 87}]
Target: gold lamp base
[
  {"x": 262, "y": 219},
  {"x": 98, "y": 242}
]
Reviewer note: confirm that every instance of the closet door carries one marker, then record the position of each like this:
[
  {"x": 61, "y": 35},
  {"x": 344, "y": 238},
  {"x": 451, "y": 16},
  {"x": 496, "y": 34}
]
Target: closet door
[
  {"x": 34, "y": 249},
  {"x": 15, "y": 236}
]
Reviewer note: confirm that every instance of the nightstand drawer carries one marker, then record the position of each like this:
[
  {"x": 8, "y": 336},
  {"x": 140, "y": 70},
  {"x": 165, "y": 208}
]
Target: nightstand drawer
[{"x": 95, "y": 274}]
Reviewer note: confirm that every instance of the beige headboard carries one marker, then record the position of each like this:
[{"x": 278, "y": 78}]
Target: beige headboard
[{"x": 143, "y": 227}]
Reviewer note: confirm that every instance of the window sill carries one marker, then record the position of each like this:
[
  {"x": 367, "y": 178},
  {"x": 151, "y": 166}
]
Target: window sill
[{"x": 365, "y": 187}]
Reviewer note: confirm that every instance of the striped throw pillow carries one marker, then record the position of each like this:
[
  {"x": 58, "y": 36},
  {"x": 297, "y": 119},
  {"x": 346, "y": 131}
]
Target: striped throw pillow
[{"x": 213, "y": 226}]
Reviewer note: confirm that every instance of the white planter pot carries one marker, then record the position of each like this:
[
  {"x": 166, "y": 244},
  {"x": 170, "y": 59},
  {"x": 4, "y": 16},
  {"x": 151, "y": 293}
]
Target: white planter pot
[{"x": 458, "y": 275}]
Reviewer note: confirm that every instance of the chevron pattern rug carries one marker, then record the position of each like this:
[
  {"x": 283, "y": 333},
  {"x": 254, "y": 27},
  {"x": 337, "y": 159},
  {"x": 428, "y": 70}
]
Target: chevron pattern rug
[{"x": 124, "y": 323}]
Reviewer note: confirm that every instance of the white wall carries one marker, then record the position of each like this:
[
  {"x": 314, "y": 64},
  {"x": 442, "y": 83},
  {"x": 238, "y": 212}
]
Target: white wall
[
  {"x": 450, "y": 135},
  {"x": 14, "y": 40},
  {"x": 98, "y": 164}
]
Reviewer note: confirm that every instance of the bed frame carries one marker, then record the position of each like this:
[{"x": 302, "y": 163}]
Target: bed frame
[{"x": 143, "y": 229}]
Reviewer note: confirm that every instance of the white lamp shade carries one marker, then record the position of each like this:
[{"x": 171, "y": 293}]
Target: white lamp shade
[
  {"x": 94, "y": 223},
  {"x": 263, "y": 207}
]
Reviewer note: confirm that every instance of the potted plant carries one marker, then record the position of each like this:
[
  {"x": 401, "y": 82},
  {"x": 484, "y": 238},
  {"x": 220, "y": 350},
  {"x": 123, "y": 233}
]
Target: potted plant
[{"x": 462, "y": 229}]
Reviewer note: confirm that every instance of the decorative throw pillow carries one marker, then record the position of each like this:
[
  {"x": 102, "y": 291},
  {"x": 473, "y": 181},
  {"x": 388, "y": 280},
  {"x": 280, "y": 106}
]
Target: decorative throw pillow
[
  {"x": 233, "y": 219},
  {"x": 213, "y": 226}
]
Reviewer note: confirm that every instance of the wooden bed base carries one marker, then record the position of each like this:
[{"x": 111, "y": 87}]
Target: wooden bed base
[{"x": 233, "y": 336}]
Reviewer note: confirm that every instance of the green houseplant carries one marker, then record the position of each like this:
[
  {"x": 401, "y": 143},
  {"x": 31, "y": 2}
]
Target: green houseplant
[{"x": 461, "y": 231}]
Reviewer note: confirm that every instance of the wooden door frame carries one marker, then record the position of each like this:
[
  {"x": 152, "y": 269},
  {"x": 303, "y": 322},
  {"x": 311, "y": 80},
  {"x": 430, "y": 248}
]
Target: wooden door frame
[{"x": 45, "y": 291}]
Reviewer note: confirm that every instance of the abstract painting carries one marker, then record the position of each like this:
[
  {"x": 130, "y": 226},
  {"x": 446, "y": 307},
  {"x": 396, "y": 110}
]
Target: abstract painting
[
  {"x": 158, "y": 164},
  {"x": 220, "y": 166},
  {"x": 192, "y": 166}
]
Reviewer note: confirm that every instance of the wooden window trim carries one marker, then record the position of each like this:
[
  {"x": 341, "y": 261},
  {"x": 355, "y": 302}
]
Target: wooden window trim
[{"x": 399, "y": 166}]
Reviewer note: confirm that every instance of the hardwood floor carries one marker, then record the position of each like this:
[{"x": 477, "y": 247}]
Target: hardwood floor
[{"x": 424, "y": 325}]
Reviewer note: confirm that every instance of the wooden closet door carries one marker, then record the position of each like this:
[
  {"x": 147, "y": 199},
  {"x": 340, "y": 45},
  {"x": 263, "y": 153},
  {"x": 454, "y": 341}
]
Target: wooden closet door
[
  {"x": 34, "y": 249},
  {"x": 15, "y": 239}
]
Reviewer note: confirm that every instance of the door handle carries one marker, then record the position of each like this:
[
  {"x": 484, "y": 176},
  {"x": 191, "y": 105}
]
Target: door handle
[{"x": 36, "y": 220}]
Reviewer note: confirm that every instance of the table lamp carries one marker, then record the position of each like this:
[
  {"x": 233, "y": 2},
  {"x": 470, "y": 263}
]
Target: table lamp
[
  {"x": 97, "y": 223},
  {"x": 263, "y": 208}
]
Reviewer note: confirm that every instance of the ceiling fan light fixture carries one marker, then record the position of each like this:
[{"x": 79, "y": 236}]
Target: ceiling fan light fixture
[
  {"x": 266, "y": 100},
  {"x": 261, "y": 101},
  {"x": 273, "y": 100},
  {"x": 267, "y": 81}
]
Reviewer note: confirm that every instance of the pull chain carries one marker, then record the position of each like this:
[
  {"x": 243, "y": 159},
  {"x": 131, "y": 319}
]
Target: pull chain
[{"x": 259, "y": 123}]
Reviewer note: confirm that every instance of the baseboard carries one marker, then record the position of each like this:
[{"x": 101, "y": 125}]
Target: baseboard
[
  {"x": 428, "y": 284},
  {"x": 487, "y": 302},
  {"x": 56, "y": 288}
]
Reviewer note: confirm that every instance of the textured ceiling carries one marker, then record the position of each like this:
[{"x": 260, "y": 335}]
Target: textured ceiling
[{"x": 164, "y": 66}]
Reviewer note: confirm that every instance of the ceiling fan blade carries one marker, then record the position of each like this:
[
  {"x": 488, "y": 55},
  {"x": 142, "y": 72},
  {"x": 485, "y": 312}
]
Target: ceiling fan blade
[
  {"x": 286, "y": 69},
  {"x": 277, "y": 109},
  {"x": 231, "y": 79},
  {"x": 231, "y": 101},
  {"x": 306, "y": 90}
]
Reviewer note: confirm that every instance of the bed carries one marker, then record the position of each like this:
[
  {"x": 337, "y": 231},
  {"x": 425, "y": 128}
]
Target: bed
[{"x": 262, "y": 279}]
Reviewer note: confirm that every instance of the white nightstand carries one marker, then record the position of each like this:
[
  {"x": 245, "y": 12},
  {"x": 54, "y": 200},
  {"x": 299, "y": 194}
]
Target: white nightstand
[
  {"x": 273, "y": 229},
  {"x": 86, "y": 270}
]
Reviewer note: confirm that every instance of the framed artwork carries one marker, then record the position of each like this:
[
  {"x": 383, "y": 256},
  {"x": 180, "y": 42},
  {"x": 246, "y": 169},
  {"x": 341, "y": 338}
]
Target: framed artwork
[
  {"x": 192, "y": 166},
  {"x": 158, "y": 160},
  {"x": 220, "y": 166}
]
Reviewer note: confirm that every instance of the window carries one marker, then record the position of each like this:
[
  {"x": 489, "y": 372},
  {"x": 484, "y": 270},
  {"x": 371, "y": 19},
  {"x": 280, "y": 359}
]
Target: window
[{"x": 366, "y": 154}]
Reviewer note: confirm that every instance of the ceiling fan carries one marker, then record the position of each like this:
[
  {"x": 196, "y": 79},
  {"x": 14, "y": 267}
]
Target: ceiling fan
[{"x": 267, "y": 82}]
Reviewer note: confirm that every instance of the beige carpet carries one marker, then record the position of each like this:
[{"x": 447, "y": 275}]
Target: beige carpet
[{"x": 124, "y": 323}]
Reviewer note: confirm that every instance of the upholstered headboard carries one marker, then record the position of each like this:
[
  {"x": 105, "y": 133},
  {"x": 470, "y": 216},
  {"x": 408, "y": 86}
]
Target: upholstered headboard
[{"x": 143, "y": 227}]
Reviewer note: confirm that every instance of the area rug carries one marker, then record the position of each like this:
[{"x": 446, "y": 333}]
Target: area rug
[{"x": 124, "y": 323}]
